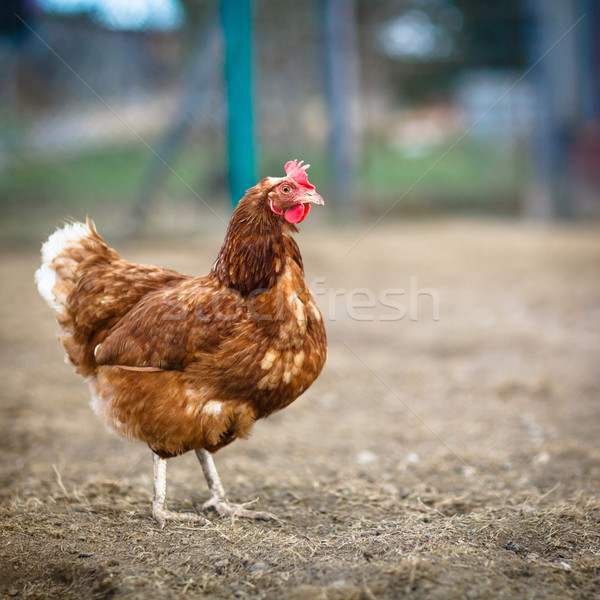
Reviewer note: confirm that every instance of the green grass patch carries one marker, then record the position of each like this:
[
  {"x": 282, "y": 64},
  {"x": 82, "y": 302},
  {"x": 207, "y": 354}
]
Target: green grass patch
[{"x": 470, "y": 174}]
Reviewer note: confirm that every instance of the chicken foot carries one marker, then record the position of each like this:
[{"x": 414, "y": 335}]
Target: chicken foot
[
  {"x": 218, "y": 500},
  {"x": 159, "y": 500}
]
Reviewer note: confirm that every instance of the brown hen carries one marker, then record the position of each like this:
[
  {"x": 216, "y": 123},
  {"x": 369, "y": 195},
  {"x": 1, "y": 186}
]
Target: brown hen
[{"x": 190, "y": 363}]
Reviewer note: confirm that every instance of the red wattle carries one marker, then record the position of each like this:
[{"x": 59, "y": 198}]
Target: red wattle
[{"x": 297, "y": 213}]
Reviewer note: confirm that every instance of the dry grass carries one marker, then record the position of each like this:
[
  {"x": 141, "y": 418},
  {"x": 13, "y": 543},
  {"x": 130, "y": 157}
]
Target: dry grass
[{"x": 450, "y": 459}]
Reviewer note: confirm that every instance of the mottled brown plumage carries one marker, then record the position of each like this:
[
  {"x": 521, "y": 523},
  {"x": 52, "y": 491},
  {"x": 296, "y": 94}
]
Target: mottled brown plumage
[{"x": 190, "y": 363}]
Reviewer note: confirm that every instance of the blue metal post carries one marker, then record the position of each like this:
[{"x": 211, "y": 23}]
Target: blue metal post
[{"x": 236, "y": 17}]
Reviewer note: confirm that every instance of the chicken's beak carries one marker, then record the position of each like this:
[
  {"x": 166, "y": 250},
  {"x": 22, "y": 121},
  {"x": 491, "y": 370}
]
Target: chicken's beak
[{"x": 312, "y": 198}]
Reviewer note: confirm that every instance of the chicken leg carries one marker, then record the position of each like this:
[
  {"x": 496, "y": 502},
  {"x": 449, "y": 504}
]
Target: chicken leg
[
  {"x": 159, "y": 501},
  {"x": 218, "y": 499}
]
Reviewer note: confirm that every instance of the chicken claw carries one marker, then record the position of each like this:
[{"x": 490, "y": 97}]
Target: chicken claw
[
  {"x": 162, "y": 516},
  {"x": 226, "y": 509},
  {"x": 217, "y": 500}
]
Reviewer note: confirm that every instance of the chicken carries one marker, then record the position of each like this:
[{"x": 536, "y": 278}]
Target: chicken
[{"x": 190, "y": 363}]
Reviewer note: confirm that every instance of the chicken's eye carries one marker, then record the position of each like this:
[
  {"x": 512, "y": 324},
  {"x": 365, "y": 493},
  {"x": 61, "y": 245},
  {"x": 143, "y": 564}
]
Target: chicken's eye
[{"x": 286, "y": 189}]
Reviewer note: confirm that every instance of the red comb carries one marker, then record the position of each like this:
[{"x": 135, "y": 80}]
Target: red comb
[{"x": 297, "y": 171}]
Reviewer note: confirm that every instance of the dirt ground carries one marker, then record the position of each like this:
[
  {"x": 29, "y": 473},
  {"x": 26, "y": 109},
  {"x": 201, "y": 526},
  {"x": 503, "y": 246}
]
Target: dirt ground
[{"x": 456, "y": 458}]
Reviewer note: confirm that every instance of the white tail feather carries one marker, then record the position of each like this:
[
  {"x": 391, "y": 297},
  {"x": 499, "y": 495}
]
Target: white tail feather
[{"x": 45, "y": 276}]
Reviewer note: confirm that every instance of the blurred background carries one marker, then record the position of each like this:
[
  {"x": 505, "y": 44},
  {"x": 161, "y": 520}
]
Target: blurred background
[{"x": 121, "y": 110}]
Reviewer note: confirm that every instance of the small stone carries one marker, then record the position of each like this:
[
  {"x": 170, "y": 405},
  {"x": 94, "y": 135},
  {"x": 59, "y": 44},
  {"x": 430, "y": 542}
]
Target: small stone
[
  {"x": 366, "y": 457},
  {"x": 258, "y": 567},
  {"x": 13, "y": 592},
  {"x": 532, "y": 556},
  {"x": 220, "y": 565},
  {"x": 389, "y": 489},
  {"x": 541, "y": 459},
  {"x": 510, "y": 545}
]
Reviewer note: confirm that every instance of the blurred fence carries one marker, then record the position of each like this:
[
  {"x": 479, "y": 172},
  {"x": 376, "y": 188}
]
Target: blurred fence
[{"x": 99, "y": 115}]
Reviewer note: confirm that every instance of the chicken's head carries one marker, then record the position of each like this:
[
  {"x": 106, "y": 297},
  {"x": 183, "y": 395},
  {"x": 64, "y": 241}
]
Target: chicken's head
[{"x": 293, "y": 195}]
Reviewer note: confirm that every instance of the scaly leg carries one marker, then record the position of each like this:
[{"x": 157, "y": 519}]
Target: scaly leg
[
  {"x": 218, "y": 500},
  {"x": 159, "y": 501}
]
